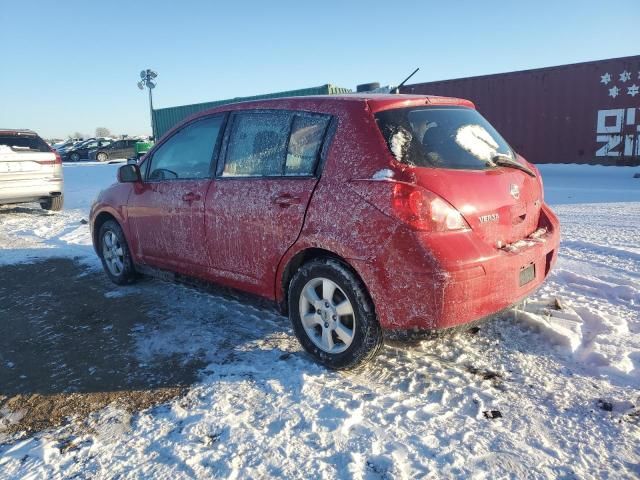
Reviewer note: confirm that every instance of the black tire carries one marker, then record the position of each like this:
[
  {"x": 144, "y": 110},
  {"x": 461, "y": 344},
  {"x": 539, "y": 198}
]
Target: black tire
[
  {"x": 74, "y": 157},
  {"x": 102, "y": 156},
  {"x": 54, "y": 204},
  {"x": 367, "y": 333},
  {"x": 128, "y": 273}
]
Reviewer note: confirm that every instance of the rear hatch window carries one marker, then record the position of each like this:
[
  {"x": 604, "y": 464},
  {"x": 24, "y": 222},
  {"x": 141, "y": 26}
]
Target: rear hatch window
[
  {"x": 445, "y": 137},
  {"x": 31, "y": 143}
]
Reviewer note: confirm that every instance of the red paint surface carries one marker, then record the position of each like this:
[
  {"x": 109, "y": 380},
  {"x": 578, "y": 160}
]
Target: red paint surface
[
  {"x": 244, "y": 232},
  {"x": 550, "y": 115}
]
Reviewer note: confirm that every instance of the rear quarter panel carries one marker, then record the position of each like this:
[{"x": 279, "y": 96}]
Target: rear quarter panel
[{"x": 338, "y": 219}]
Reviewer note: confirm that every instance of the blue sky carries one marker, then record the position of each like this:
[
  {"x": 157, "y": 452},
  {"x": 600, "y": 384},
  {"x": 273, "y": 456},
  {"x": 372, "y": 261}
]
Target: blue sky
[{"x": 72, "y": 66}]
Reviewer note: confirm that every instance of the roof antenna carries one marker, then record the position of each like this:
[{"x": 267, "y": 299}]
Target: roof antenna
[{"x": 396, "y": 90}]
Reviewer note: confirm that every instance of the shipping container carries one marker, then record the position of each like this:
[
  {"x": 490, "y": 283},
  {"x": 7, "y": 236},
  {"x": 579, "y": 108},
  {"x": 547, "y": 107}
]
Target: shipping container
[
  {"x": 166, "y": 118},
  {"x": 580, "y": 113}
]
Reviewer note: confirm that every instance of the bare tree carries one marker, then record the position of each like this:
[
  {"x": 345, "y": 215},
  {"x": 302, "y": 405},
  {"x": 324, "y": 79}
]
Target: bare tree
[{"x": 103, "y": 132}]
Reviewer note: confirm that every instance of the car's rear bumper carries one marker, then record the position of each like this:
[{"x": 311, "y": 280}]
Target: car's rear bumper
[
  {"x": 29, "y": 190},
  {"x": 451, "y": 279}
]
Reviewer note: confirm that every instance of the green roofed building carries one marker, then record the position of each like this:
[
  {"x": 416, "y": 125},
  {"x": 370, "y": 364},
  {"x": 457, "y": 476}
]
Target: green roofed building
[{"x": 166, "y": 118}]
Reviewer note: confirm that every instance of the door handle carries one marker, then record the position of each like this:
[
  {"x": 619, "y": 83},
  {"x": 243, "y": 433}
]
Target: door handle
[
  {"x": 286, "y": 200},
  {"x": 191, "y": 197}
]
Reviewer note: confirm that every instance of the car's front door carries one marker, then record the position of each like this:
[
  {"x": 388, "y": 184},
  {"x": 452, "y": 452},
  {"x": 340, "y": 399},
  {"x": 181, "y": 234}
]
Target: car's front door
[
  {"x": 256, "y": 205},
  {"x": 166, "y": 211}
]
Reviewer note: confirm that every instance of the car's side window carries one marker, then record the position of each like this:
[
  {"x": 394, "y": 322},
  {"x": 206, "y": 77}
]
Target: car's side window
[
  {"x": 307, "y": 134},
  {"x": 188, "y": 153},
  {"x": 257, "y": 144}
]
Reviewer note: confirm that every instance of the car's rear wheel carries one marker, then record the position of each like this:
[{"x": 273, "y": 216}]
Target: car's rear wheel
[
  {"x": 102, "y": 157},
  {"x": 54, "y": 204},
  {"x": 114, "y": 253},
  {"x": 333, "y": 316},
  {"x": 74, "y": 157}
]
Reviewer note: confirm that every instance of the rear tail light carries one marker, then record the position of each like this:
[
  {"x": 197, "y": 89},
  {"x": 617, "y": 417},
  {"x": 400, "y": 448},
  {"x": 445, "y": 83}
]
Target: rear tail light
[
  {"x": 56, "y": 161},
  {"x": 425, "y": 211},
  {"x": 415, "y": 206}
]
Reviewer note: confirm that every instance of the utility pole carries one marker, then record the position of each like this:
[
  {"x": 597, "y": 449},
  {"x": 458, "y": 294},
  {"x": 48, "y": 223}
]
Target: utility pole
[{"x": 146, "y": 80}]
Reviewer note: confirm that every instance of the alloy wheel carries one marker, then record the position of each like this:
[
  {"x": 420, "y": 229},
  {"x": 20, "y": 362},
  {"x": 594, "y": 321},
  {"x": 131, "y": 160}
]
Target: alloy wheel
[
  {"x": 113, "y": 253},
  {"x": 327, "y": 315}
]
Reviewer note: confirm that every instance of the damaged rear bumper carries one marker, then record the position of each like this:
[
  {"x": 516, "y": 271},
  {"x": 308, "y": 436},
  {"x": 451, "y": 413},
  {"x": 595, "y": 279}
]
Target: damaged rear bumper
[{"x": 451, "y": 279}]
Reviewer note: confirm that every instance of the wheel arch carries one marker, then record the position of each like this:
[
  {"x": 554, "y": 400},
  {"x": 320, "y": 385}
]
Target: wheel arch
[
  {"x": 291, "y": 266},
  {"x": 99, "y": 219}
]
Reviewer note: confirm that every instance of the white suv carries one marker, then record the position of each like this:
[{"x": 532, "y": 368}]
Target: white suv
[{"x": 29, "y": 170}]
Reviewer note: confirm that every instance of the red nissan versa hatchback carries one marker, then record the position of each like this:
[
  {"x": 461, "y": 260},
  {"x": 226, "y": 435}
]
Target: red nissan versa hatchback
[{"x": 355, "y": 213}]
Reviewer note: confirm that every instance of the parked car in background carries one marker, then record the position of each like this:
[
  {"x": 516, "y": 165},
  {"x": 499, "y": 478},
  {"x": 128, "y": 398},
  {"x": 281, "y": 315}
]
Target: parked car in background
[
  {"x": 125, "y": 148},
  {"x": 67, "y": 144},
  {"x": 66, "y": 150},
  {"x": 81, "y": 150},
  {"x": 30, "y": 171},
  {"x": 354, "y": 213}
]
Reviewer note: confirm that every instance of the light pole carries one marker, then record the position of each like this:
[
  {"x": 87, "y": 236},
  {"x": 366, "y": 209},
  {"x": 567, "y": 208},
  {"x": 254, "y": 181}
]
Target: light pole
[{"x": 146, "y": 80}]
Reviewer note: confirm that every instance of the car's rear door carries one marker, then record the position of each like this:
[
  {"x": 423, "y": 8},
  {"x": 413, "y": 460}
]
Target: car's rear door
[
  {"x": 166, "y": 211},
  {"x": 256, "y": 205}
]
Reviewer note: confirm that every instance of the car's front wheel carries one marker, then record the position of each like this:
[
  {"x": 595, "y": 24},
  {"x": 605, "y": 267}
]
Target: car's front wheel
[
  {"x": 102, "y": 157},
  {"x": 114, "y": 253},
  {"x": 74, "y": 157},
  {"x": 333, "y": 316}
]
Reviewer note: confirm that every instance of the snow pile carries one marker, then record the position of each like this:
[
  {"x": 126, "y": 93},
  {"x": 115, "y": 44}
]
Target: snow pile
[
  {"x": 593, "y": 339},
  {"x": 560, "y": 324}
]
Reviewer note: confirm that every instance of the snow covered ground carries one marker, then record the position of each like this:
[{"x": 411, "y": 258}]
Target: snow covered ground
[{"x": 549, "y": 390}]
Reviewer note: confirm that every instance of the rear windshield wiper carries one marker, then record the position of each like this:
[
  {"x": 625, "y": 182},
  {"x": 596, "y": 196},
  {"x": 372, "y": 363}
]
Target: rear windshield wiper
[{"x": 503, "y": 160}]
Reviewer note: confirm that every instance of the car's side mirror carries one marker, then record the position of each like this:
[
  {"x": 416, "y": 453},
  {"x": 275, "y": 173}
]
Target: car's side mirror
[{"x": 129, "y": 173}]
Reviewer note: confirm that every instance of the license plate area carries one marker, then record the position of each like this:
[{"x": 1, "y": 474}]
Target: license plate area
[
  {"x": 527, "y": 274},
  {"x": 19, "y": 167}
]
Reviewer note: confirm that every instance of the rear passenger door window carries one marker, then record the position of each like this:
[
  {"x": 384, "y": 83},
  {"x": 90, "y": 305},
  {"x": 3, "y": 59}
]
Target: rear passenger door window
[
  {"x": 188, "y": 153},
  {"x": 257, "y": 144},
  {"x": 274, "y": 144},
  {"x": 307, "y": 134}
]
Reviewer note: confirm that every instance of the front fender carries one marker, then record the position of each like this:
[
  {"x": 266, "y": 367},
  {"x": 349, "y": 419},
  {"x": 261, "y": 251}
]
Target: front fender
[{"x": 111, "y": 201}]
